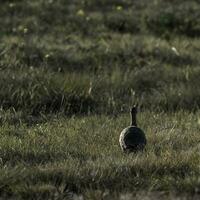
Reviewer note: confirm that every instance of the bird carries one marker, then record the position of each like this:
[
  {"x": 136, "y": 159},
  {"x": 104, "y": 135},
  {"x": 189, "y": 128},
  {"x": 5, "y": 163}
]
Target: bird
[{"x": 132, "y": 138}]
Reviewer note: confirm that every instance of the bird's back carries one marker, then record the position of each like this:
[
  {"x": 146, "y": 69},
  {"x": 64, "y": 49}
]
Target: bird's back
[{"x": 132, "y": 138}]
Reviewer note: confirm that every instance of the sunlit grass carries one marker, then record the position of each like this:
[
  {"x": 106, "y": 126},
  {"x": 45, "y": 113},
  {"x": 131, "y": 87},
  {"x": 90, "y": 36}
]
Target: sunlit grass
[
  {"x": 69, "y": 72},
  {"x": 83, "y": 153}
]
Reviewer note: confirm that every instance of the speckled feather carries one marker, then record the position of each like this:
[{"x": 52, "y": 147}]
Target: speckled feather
[{"x": 131, "y": 139}]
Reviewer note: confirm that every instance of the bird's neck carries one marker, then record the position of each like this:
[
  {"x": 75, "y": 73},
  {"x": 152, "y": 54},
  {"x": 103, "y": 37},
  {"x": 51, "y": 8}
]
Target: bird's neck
[{"x": 133, "y": 119}]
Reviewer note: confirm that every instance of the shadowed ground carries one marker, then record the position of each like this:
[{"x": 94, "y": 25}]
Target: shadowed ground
[{"x": 70, "y": 70}]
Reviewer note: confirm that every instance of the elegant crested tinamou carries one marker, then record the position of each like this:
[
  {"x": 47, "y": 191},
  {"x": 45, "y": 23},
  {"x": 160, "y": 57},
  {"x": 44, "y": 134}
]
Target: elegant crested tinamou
[{"x": 132, "y": 138}]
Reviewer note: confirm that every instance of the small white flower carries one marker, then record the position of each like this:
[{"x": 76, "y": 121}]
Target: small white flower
[{"x": 175, "y": 51}]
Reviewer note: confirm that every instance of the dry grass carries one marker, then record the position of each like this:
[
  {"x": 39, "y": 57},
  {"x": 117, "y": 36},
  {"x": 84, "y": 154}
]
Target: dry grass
[{"x": 69, "y": 70}]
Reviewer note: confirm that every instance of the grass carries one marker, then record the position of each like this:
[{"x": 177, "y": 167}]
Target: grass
[
  {"x": 70, "y": 70},
  {"x": 81, "y": 156}
]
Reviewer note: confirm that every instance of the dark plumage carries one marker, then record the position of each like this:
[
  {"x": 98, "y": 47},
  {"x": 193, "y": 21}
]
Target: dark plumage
[{"x": 132, "y": 138}]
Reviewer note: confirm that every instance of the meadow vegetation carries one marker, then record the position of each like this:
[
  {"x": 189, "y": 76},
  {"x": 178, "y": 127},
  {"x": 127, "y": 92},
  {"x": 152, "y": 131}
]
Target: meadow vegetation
[{"x": 70, "y": 70}]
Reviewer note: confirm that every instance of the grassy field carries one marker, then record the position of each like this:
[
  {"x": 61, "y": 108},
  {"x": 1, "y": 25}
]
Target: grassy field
[{"x": 69, "y": 72}]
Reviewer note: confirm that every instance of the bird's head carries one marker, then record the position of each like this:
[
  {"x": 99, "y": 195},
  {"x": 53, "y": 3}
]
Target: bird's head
[{"x": 134, "y": 109}]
